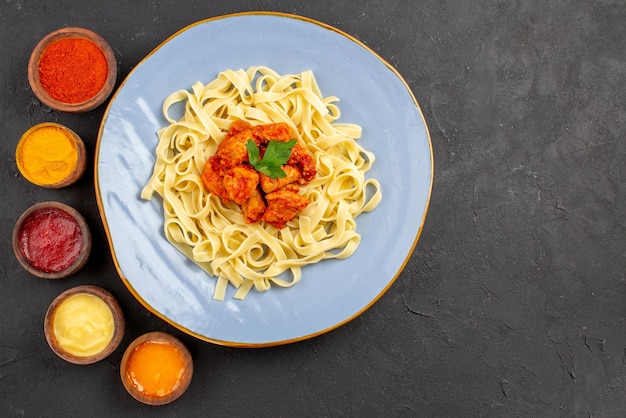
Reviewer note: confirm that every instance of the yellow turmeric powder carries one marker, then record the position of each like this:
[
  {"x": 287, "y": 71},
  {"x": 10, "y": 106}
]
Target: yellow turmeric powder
[{"x": 47, "y": 154}]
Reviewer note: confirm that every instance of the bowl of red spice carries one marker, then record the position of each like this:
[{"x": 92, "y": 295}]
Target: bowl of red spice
[
  {"x": 72, "y": 70},
  {"x": 51, "y": 240}
]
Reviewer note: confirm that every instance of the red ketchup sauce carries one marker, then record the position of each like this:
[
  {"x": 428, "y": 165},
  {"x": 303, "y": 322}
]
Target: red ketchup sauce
[{"x": 51, "y": 240}]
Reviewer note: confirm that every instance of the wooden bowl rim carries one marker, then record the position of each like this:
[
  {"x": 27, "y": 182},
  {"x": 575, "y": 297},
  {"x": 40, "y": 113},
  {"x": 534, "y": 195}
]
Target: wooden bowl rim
[
  {"x": 118, "y": 321},
  {"x": 81, "y": 160},
  {"x": 67, "y": 33},
  {"x": 86, "y": 244},
  {"x": 157, "y": 336}
]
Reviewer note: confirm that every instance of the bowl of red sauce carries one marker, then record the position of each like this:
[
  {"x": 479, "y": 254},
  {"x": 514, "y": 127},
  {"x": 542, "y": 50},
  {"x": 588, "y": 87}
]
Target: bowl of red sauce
[
  {"x": 51, "y": 240},
  {"x": 72, "y": 70},
  {"x": 156, "y": 368}
]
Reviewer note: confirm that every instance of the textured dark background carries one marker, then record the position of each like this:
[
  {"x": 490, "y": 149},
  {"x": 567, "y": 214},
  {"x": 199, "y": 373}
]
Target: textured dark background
[{"x": 512, "y": 303}]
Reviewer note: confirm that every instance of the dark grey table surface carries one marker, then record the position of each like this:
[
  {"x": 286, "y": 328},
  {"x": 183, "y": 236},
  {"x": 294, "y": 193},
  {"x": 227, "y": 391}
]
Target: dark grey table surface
[{"x": 513, "y": 302}]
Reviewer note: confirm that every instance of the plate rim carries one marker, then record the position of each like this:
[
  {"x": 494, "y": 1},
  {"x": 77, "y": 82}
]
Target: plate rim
[{"x": 105, "y": 224}]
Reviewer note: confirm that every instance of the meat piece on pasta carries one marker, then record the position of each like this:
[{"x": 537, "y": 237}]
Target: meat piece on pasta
[
  {"x": 303, "y": 161},
  {"x": 232, "y": 150},
  {"x": 283, "y": 205},
  {"x": 272, "y": 132},
  {"x": 268, "y": 184},
  {"x": 254, "y": 208},
  {"x": 240, "y": 182},
  {"x": 212, "y": 178}
]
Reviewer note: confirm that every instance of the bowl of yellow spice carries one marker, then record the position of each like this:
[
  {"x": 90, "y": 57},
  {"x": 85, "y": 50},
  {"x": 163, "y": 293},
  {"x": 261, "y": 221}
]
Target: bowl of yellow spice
[
  {"x": 84, "y": 324},
  {"x": 51, "y": 155}
]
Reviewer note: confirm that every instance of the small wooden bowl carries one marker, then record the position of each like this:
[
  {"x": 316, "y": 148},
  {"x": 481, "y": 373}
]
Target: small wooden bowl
[
  {"x": 91, "y": 102},
  {"x": 118, "y": 324},
  {"x": 85, "y": 243},
  {"x": 23, "y": 164},
  {"x": 156, "y": 337}
]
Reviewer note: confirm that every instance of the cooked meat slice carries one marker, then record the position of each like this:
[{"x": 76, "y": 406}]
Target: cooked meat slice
[
  {"x": 272, "y": 132},
  {"x": 282, "y": 206},
  {"x": 302, "y": 160},
  {"x": 212, "y": 178},
  {"x": 269, "y": 184},
  {"x": 232, "y": 150},
  {"x": 240, "y": 182},
  {"x": 254, "y": 207}
]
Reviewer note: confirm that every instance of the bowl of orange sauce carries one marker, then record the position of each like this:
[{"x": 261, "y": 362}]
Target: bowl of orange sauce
[{"x": 156, "y": 368}]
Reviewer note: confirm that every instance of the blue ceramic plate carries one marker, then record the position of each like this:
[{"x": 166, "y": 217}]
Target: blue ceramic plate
[{"x": 331, "y": 292}]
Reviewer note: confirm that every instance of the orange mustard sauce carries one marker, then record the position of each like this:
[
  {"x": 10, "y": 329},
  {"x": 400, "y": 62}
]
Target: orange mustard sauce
[{"x": 156, "y": 369}]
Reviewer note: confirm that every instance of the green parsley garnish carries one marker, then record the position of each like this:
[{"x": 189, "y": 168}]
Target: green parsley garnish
[{"x": 276, "y": 154}]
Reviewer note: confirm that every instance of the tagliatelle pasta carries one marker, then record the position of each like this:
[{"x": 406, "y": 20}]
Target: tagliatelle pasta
[{"x": 213, "y": 234}]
